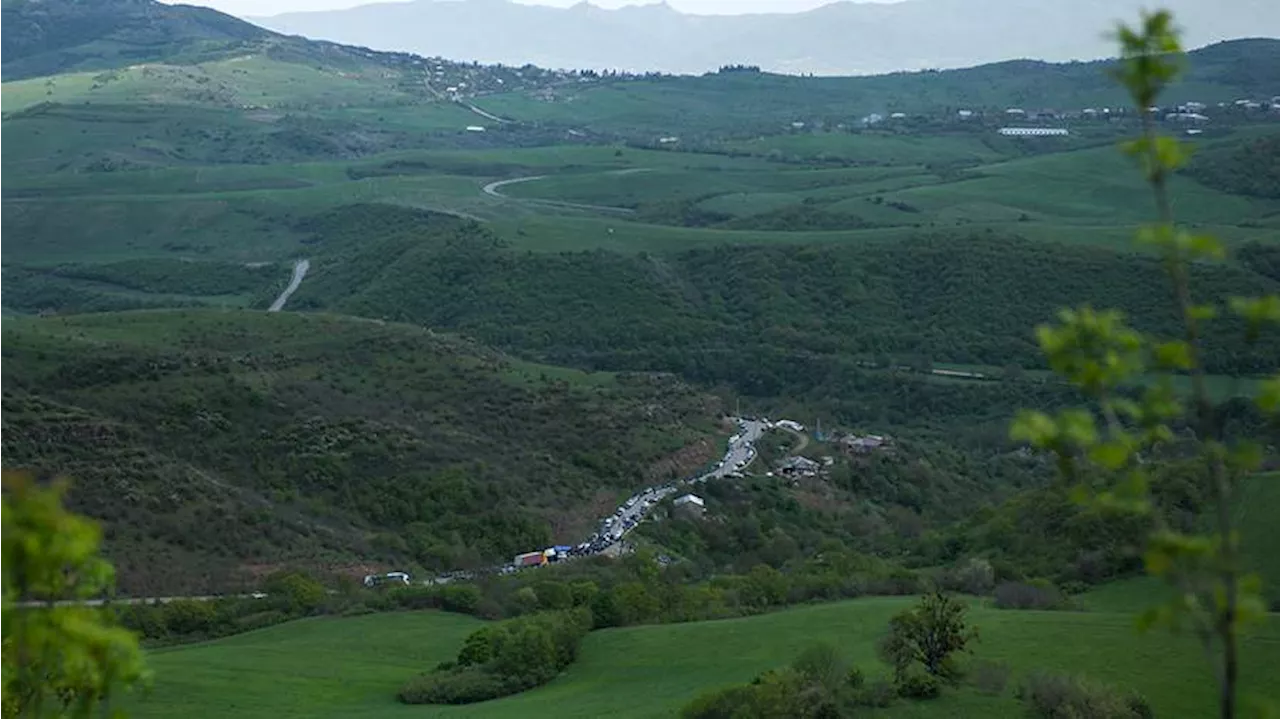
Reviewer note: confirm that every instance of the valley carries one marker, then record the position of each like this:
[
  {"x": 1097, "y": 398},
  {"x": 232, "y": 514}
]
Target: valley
[{"x": 332, "y": 340}]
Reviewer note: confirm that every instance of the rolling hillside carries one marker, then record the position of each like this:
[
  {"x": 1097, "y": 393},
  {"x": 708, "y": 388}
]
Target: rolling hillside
[
  {"x": 47, "y": 38},
  {"x": 217, "y": 445},
  {"x": 651, "y": 671}
]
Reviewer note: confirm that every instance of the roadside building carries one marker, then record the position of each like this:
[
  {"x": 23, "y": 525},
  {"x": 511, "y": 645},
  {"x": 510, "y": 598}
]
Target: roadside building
[
  {"x": 789, "y": 424},
  {"x": 798, "y": 467},
  {"x": 1194, "y": 118},
  {"x": 855, "y": 445},
  {"x": 1034, "y": 131},
  {"x": 689, "y": 505}
]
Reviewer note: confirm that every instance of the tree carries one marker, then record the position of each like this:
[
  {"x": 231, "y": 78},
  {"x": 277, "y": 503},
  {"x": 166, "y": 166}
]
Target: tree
[
  {"x": 58, "y": 660},
  {"x": 295, "y": 592},
  {"x": 928, "y": 634},
  {"x": 1106, "y": 452}
]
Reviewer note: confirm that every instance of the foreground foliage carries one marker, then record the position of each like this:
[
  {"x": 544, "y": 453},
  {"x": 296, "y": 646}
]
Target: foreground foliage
[
  {"x": 59, "y": 660},
  {"x": 1106, "y": 451}
]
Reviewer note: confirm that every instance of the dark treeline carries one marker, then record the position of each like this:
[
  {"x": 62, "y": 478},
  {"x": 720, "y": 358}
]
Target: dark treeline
[
  {"x": 1249, "y": 167},
  {"x": 767, "y": 320}
]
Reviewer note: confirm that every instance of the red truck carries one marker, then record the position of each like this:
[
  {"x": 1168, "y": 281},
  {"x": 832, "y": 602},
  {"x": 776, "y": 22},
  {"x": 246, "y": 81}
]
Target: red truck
[{"x": 530, "y": 559}]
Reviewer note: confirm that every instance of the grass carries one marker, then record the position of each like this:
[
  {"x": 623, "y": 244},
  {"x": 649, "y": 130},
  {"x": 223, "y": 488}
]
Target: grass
[
  {"x": 352, "y": 667},
  {"x": 1257, "y": 513},
  {"x": 306, "y": 668}
]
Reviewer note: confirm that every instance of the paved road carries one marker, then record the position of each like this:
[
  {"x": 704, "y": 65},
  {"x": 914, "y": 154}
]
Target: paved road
[
  {"x": 137, "y": 600},
  {"x": 492, "y": 190},
  {"x": 607, "y": 540},
  {"x": 482, "y": 113},
  {"x": 299, "y": 271}
]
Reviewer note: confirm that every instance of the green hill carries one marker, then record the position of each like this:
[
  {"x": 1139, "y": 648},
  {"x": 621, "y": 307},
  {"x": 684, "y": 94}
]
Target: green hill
[
  {"x": 216, "y": 445},
  {"x": 352, "y": 667},
  {"x": 45, "y": 38}
]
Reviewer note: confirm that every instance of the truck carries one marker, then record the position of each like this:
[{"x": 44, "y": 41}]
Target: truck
[{"x": 530, "y": 559}]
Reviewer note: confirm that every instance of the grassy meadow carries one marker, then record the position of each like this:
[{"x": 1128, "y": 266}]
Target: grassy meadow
[{"x": 352, "y": 667}]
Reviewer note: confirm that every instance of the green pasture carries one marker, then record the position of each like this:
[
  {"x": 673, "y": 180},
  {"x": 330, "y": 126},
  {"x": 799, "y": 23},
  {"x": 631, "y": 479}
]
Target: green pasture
[{"x": 352, "y": 667}]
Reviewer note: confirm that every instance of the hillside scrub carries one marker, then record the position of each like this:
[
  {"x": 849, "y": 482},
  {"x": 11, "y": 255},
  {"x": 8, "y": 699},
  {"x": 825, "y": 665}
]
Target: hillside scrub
[
  {"x": 1250, "y": 167},
  {"x": 503, "y": 659},
  {"x": 322, "y": 439},
  {"x": 1057, "y": 696}
]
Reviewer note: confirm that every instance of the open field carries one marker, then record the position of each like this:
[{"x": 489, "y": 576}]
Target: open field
[{"x": 352, "y": 667}]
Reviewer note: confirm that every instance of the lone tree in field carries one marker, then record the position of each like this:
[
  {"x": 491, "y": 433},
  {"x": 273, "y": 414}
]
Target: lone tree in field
[
  {"x": 927, "y": 634},
  {"x": 1108, "y": 451},
  {"x": 58, "y": 661}
]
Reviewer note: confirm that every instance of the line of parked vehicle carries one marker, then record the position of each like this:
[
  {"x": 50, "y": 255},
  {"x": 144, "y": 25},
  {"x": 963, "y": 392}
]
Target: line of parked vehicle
[{"x": 612, "y": 529}]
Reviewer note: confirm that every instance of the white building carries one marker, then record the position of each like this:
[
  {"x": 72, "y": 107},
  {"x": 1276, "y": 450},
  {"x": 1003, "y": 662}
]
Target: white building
[
  {"x": 667, "y": 140},
  {"x": 964, "y": 114},
  {"x": 690, "y": 505},
  {"x": 1034, "y": 131},
  {"x": 689, "y": 499},
  {"x": 897, "y": 115},
  {"x": 1015, "y": 111},
  {"x": 789, "y": 424},
  {"x": 475, "y": 128}
]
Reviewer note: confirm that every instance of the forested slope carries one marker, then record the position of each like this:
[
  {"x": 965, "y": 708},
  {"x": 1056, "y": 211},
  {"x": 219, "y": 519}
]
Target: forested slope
[
  {"x": 218, "y": 444},
  {"x": 770, "y": 320}
]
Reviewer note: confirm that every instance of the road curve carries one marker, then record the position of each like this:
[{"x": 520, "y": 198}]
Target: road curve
[
  {"x": 491, "y": 189},
  {"x": 299, "y": 271}
]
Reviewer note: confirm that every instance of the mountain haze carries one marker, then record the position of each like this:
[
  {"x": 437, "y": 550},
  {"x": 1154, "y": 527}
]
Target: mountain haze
[{"x": 840, "y": 38}]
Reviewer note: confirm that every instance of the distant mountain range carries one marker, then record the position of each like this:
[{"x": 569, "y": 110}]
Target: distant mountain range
[{"x": 843, "y": 38}]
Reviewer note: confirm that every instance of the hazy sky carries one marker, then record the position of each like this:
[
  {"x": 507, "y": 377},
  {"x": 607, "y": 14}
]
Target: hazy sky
[{"x": 703, "y": 7}]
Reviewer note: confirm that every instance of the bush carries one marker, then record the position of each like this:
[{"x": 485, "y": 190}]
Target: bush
[
  {"x": 1058, "y": 696},
  {"x": 823, "y": 664},
  {"x": 918, "y": 685},
  {"x": 879, "y": 693},
  {"x": 856, "y": 679},
  {"x": 503, "y": 659},
  {"x": 990, "y": 677},
  {"x": 458, "y": 686},
  {"x": 1036, "y": 594},
  {"x": 260, "y": 620}
]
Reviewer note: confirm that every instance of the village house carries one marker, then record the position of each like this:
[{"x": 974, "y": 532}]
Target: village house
[
  {"x": 853, "y": 444},
  {"x": 690, "y": 505},
  {"x": 798, "y": 467}
]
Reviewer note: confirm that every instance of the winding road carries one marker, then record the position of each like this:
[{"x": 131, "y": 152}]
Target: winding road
[
  {"x": 299, "y": 271},
  {"x": 491, "y": 189}
]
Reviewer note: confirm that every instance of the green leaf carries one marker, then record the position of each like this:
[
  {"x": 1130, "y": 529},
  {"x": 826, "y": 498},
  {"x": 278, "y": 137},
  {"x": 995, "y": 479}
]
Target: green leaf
[
  {"x": 1268, "y": 397},
  {"x": 1204, "y": 247},
  {"x": 1173, "y": 355},
  {"x": 1202, "y": 312},
  {"x": 1112, "y": 455}
]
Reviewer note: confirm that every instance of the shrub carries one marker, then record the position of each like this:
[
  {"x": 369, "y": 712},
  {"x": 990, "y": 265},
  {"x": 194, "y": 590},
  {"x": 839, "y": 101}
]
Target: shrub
[
  {"x": 856, "y": 679},
  {"x": 1036, "y": 594},
  {"x": 990, "y": 677},
  {"x": 823, "y": 664},
  {"x": 260, "y": 620},
  {"x": 879, "y": 693},
  {"x": 918, "y": 685},
  {"x": 458, "y": 686},
  {"x": 1058, "y": 696},
  {"x": 503, "y": 659}
]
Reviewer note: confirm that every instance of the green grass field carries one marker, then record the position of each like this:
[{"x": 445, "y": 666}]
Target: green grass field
[{"x": 352, "y": 667}]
